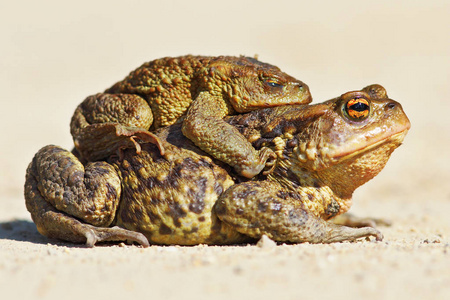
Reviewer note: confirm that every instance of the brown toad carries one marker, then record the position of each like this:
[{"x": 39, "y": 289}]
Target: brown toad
[
  {"x": 202, "y": 90},
  {"x": 324, "y": 152}
]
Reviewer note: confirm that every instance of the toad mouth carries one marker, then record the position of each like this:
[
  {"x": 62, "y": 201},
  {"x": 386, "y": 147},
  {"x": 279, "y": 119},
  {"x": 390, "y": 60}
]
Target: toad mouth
[{"x": 395, "y": 138}]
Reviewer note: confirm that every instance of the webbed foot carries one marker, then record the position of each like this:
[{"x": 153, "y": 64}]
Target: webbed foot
[
  {"x": 338, "y": 233},
  {"x": 95, "y": 235}
]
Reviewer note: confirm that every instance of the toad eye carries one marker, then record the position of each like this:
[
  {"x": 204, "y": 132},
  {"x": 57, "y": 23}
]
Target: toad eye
[
  {"x": 273, "y": 83},
  {"x": 357, "y": 109}
]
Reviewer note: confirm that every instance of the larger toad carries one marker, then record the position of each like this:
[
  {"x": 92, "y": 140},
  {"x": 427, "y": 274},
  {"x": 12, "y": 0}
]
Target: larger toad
[
  {"x": 202, "y": 90},
  {"x": 324, "y": 152}
]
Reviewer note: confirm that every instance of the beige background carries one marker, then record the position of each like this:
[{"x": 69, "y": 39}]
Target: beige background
[{"x": 54, "y": 54}]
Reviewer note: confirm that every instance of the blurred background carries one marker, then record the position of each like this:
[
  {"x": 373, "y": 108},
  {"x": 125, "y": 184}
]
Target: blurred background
[{"x": 56, "y": 53}]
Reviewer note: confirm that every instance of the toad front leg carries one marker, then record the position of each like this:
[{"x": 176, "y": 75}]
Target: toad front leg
[
  {"x": 258, "y": 208},
  {"x": 204, "y": 125},
  {"x": 74, "y": 203},
  {"x": 105, "y": 123}
]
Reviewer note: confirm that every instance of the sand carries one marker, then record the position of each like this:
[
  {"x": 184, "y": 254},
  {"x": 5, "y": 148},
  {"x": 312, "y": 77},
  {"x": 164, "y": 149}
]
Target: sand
[{"x": 54, "y": 55}]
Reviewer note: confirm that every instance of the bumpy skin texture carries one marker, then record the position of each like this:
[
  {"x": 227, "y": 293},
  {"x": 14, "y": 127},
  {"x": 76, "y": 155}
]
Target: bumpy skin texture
[
  {"x": 203, "y": 89},
  {"x": 324, "y": 152}
]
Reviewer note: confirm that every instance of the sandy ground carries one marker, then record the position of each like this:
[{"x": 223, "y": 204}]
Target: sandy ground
[{"x": 54, "y": 54}]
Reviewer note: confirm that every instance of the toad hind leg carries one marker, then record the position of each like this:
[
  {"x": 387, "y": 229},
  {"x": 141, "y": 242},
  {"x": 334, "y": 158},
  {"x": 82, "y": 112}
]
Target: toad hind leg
[
  {"x": 103, "y": 124},
  {"x": 58, "y": 225},
  {"x": 63, "y": 197},
  {"x": 257, "y": 208}
]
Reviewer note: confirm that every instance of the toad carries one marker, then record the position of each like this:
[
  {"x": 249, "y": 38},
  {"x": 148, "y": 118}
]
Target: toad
[
  {"x": 199, "y": 90},
  {"x": 323, "y": 153}
]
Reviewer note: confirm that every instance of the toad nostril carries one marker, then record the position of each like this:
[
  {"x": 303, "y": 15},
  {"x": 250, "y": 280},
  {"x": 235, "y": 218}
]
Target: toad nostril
[{"x": 391, "y": 105}]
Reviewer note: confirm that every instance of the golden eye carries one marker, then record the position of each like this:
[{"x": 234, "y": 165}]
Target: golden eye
[{"x": 357, "y": 109}]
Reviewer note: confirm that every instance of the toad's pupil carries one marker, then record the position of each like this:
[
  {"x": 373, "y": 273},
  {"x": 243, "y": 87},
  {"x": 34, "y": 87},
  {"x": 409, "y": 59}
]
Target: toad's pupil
[{"x": 359, "y": 106}]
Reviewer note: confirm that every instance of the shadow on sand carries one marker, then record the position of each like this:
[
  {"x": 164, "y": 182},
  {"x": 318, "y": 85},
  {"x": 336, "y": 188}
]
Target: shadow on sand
[{"x": 22, "y": 231}]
